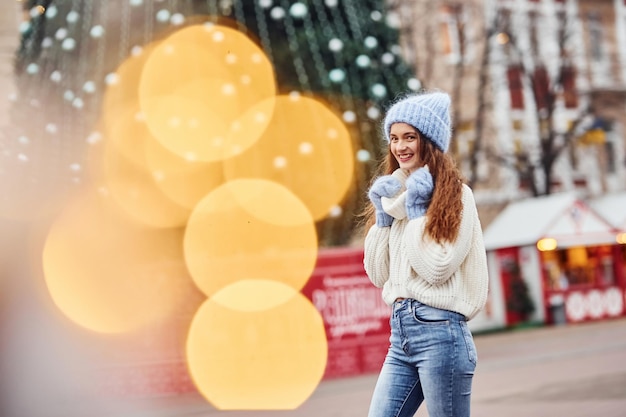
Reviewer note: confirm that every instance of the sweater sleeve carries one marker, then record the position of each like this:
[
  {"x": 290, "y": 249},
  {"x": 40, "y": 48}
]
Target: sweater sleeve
[
  {"x": 376, "y": 255},
  {"x": 433, "y": 262}
]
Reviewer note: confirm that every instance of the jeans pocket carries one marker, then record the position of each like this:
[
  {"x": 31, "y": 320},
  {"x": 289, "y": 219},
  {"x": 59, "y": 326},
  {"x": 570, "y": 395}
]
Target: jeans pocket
[
  {"x": 429, "y": 315},
  {"x": 469, "y": 342}
]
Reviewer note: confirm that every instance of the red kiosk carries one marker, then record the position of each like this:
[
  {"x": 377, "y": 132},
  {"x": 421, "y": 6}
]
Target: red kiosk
[{"x": 570, "y": 260}]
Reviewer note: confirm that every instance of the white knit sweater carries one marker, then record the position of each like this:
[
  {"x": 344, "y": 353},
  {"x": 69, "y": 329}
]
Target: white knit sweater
[{"x": 405, "y": 262}]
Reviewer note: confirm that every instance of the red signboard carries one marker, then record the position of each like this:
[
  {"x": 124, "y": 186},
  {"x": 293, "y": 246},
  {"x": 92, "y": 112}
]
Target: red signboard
[{"x": 355, "y": 316}]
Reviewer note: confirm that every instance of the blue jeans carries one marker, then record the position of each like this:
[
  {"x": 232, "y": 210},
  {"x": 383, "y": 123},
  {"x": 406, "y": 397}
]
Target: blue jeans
[{"x": 432, "y": 358}]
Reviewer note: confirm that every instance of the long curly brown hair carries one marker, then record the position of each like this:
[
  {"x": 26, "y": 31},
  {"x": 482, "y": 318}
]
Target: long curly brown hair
[{"x": 445, "y": 209}]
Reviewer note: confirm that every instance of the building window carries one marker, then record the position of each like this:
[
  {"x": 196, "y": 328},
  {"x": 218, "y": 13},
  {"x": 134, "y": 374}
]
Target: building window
[
  {"x": 600, "y": 61},
  {"x": 516, "y": 88},
  {"x": 573, "y": 157},
  {"x": 568, "y": 81},
  {"x": 595, "y": 36},
  {"x": 579, "y": 267},
  {"x": 452, "y": 32},
  {"x": 609, "y": 148},
  {"x": 620, "y": 29},
  {"x": 541, "y": 88},
  {"x": 534, "y": 41}
]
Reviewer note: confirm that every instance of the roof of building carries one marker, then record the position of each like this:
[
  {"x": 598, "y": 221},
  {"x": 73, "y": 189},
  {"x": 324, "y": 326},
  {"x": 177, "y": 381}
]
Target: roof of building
[
  {"x": 612, "y": 207},
  {"x": 561, "y": 216}
]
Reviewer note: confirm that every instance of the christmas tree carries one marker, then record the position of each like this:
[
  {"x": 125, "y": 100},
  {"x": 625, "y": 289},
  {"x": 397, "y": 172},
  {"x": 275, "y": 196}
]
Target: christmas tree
[{"x": 343, "y": 52}]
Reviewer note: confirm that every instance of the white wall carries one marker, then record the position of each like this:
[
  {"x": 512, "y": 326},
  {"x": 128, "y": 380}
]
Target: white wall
[{"x": 493, "y": 316}]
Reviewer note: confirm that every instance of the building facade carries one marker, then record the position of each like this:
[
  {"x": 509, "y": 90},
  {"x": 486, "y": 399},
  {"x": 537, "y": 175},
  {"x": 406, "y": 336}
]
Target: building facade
[{"x": 539, "y": 88}]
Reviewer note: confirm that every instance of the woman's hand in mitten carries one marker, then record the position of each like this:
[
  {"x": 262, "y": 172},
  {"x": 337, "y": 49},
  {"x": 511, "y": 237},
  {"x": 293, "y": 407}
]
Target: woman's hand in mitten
[
  {"x": 419, "y": 190},
  {"x": 385, "y": 186}
]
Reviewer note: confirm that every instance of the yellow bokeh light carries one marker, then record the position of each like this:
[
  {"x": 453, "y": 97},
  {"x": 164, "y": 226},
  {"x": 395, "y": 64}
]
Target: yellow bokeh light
[
  {"x": 246, "y": 130},
  {"x": 621, "y": 238},
  {"x": 250, "y": 229},
  {"x": 195, "y": 86},
  {"x": 122, "y": 92},
  {"x": 129, "y": 135},
  {"x": 184, "y": 182},
  {"x": 108, "y": 274},
  {"x": 187, "y": 127},
  {"x": 253, "y": 295},
  {"x": 134, "y": 189},
  {"x": 306, "y": 148},
  {"x": 257, "y": 360},
  {"x": 547, "y": 244}
]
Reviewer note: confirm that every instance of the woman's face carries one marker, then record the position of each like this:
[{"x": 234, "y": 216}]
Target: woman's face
[{"x": 404, "y": 143}]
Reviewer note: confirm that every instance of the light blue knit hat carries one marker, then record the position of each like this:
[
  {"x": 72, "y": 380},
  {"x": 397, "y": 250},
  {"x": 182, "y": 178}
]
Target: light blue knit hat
[{"x": 428, "y": 112}]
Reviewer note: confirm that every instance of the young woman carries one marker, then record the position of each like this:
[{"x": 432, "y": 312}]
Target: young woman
[{"x": 424, "y": 248}]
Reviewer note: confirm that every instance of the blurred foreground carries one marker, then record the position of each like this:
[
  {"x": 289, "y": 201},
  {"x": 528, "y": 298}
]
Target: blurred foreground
[{"x": 575, "y": 371}]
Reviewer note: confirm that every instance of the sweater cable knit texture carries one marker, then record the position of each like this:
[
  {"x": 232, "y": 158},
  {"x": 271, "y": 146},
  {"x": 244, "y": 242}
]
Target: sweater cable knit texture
[{"x": 405, "y": 262}]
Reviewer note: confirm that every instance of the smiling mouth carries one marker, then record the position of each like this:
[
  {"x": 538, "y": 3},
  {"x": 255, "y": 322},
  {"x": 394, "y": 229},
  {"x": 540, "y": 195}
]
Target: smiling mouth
[{"x": 405, "y": 157}]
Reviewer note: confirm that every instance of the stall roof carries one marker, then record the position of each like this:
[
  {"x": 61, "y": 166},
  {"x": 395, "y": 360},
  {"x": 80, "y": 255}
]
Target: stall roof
[
  {"x": 562, "y": 216},
  {"x": 612, "y": 207}
]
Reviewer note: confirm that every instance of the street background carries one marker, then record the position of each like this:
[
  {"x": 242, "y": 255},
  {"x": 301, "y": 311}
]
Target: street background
[{"x": 569, "y": 371}]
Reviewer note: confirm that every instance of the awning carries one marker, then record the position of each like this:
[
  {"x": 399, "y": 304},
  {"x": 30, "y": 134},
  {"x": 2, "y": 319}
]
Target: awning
[{"x": 561, "y": 216}]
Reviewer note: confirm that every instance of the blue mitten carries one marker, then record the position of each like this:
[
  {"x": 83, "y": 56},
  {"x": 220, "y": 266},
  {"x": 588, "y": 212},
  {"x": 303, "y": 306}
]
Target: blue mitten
[
  {"x": 385, "y": 186},
  {"x": 419, "y": 190}
]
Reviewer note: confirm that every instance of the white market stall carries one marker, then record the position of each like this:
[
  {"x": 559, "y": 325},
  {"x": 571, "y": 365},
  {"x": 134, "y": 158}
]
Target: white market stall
[{"x": 559, "y": 253}]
